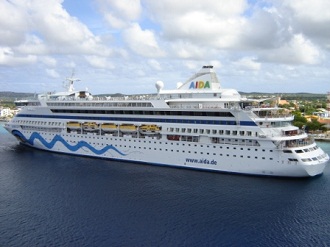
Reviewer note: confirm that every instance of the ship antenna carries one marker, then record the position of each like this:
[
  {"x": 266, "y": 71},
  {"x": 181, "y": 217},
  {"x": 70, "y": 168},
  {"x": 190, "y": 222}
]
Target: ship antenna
[{"x": 69, "y": 82}]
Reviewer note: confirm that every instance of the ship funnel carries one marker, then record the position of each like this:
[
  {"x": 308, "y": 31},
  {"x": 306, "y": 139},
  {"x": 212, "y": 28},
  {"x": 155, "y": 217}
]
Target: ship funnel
[{"x": 206, "y": 79}]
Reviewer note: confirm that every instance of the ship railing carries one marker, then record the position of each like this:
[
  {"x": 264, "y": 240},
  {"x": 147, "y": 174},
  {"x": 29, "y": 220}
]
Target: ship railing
[
  {"x": 183, "y": 106},
  {"x": 299, "y": 143},
  {"x": 105, "y": 98},
  {"x": 268, "y": 117},
  {"x": 293, "y": 133}
]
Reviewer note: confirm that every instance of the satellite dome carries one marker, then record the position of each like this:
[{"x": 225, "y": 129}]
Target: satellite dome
[{"x": 159, "y": 85}]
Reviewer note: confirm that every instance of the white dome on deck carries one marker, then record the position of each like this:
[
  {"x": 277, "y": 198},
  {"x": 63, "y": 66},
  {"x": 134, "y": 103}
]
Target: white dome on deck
[{"x": 230, "y": 93}]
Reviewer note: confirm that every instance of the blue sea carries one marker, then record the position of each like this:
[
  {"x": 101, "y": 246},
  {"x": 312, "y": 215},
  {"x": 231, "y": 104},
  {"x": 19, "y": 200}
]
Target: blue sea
[{"x": 49, "y": 199}]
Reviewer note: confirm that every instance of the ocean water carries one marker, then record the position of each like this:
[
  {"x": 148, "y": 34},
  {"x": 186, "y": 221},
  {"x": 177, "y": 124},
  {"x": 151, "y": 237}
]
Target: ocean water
[{"x": 49, "y": 199}]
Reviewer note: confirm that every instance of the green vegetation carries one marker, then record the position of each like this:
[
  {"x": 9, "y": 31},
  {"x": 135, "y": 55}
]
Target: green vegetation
[{"x": 302, "y": 122}]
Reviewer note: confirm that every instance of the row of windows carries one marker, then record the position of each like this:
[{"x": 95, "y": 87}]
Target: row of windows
[
  {"x": 299, "y": 151},
  {"x": 35, "y": 128},
  {"x": 152, "y": 112},
  {"x": 169, "y": 143},
  {"x": 213, "y": 131},
  {"x": 104, "y": 104},
  {"x": 151, "y": 120},
  {"x": 40, "y": 123}
]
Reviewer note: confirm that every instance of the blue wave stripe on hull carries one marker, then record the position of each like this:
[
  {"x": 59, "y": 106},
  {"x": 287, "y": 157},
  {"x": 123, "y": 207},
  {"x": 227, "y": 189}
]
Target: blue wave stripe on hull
[{"x": 57, "y": 138}]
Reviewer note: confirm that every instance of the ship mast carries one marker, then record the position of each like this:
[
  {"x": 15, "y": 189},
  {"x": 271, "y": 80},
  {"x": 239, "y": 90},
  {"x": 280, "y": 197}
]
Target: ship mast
[{"x": 69, "y": 82}]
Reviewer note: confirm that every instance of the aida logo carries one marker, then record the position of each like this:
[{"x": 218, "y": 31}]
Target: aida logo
[{"x": 199, "y": 84}]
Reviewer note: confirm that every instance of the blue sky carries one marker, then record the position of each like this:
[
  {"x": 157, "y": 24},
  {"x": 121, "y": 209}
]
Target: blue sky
[{"x": 127, "y": 45}]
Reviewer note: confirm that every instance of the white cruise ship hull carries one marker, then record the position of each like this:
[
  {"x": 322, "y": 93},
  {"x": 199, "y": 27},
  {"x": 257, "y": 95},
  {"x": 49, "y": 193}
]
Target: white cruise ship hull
[{"x": 211, "y": 157}]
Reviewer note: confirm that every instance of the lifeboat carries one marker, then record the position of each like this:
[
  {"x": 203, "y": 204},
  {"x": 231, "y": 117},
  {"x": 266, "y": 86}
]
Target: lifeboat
[
  {"x": 128, "y": 128},
  {"x": 149, "y": 129},
  {"x": 109, "y": 127},
  {"x": 90, "y": 126},
  {"x": 73, "y": 125}
]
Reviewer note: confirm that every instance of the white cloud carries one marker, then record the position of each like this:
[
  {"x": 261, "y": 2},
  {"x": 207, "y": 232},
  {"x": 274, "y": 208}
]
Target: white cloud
[
  {"x": 166, "y": 40},
  {"x": 99, "y": 62},
  {"x": 45, "y": 27},
  {"x": 13, "y": 24},
  {"x": 52, "y": 73},
  {"x": 199, "y": 22},
  {"x": 216, "y": 64},
  {"x": 248, "y": 63},
  {"x": 49, "y": 61},
  {"x": 314, "y": 11},
  {"x": 298, "y": 50},
  {"x": 142, "y": 42},
  {"x": 9, "y": 58},
  {"x": 154, "y": 64},
  {"x": 188, "y": 50},
  {"x": 119, "y": 13},
  {"x": 311, "y": 18}
]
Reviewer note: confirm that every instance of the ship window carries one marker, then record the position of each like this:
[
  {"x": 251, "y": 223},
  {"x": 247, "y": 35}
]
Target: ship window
[
  {"x": 293, "y": 159},
  {"x": 299, "y": 151},
  {"x": 227, "y": 132},
  {"x": 287, "y": 151}
]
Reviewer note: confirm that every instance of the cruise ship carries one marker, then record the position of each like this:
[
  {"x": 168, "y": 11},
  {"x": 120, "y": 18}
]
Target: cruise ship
[{"x": 198, "y": 125}]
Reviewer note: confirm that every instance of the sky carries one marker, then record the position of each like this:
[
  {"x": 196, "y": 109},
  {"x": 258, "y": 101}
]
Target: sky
[{"x": 125, "y": 46}]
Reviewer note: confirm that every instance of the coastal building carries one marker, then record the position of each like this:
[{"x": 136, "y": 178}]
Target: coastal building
[{"x": 5, "y": 112}]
